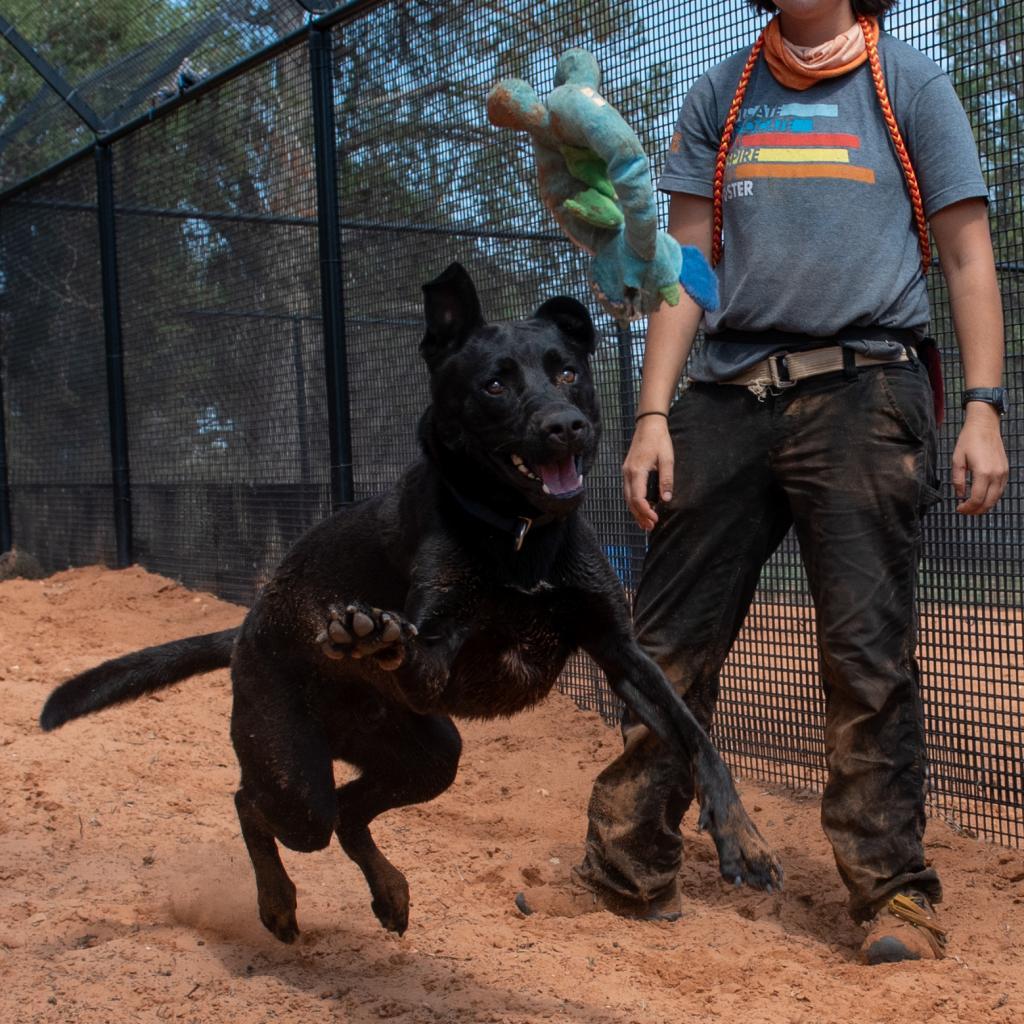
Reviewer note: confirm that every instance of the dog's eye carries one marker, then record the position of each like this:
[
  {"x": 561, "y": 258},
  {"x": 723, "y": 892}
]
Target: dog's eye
[
  {"x": 494, "y": 387},
  {"x": 567, "y": 375}
]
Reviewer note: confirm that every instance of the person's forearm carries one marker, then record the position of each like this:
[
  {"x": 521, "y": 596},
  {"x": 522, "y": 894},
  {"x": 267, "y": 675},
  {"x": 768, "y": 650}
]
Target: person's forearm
[
  {"x": 978, "y": 321},
  {"x": 965, "y": 249},
  {"x": 968, "y": 266},
  {"x": 671, "y": 329},
  {"x": 670, "y": 334}
]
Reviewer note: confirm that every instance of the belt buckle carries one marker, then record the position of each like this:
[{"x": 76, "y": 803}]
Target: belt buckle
[
  {"x": 777, "y": 364},
  {"x": 774, "y": 384}
]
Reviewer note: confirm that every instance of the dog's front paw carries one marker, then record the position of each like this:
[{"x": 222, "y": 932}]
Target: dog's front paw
[
  {"x": 358, "y": 631},
  {"x": 743, "y": 855}
]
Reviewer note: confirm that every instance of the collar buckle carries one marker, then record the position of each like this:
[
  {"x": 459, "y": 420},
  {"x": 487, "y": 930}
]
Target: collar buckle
[{"x": 521, "y": 530}]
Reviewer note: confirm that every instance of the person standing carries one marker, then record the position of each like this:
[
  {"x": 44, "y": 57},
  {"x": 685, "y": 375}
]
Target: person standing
[{"x": 809, "y": 168}]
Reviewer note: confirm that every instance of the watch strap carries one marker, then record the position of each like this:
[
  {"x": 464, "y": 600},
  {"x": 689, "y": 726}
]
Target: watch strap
[{"x": 996, "y": 397}]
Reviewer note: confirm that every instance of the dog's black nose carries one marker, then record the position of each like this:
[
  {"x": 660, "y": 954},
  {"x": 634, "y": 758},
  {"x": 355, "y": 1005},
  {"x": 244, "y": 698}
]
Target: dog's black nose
[{"x": 564, "y": 427}]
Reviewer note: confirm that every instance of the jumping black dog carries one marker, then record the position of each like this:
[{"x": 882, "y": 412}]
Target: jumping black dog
[{"x": 491, "y": 579}]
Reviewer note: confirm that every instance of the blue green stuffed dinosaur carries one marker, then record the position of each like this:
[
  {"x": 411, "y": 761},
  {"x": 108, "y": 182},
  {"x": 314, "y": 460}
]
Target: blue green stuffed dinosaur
[{"x": 595, "y": 179}]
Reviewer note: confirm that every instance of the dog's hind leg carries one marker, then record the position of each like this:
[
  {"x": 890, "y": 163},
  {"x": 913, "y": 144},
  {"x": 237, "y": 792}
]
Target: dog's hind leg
[
  {"x": 287, "y": 789},
  {"x": 275, "y": 890},
  {"x": 410, "y": 759}
]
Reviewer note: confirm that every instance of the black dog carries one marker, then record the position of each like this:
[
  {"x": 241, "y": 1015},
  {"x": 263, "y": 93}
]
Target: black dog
[{"x": 494, "y": 580}]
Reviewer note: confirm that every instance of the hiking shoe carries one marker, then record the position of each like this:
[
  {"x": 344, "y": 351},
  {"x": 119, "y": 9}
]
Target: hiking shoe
[
  {"x": 572, "y": 899},
  {"x": 906, "y": 928}
]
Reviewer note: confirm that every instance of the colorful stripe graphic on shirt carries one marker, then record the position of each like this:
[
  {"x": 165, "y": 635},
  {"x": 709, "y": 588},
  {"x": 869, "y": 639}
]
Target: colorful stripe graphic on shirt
[{"x": 780, "y": 142}]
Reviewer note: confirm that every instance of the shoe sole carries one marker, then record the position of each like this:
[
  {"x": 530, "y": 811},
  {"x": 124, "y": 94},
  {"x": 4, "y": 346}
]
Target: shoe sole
[{"x": 669, "y": 915}]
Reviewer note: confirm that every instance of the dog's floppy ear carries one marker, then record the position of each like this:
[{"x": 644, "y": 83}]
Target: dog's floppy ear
[
  {"x": 572, "y": 318},
  {"x": 452, "y": 312}
]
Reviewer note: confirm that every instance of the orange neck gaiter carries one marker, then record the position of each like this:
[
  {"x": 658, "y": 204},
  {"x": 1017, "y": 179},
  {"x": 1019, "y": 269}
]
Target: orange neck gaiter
[{"x": 799, "y": 67}]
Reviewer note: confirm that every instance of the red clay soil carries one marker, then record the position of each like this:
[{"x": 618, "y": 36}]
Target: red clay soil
[{"x": 127, "y": 894}]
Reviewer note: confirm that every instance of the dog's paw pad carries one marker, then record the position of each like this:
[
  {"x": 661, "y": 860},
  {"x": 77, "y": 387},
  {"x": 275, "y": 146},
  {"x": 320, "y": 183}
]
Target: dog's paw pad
[
  {"x": 362, "y": 625},
  {"x": 358, "y": 631},
  {"x": 339, "y": 634}
]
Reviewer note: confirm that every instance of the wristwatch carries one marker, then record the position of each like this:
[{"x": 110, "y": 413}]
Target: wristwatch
[{"x": 996, "y": 397}]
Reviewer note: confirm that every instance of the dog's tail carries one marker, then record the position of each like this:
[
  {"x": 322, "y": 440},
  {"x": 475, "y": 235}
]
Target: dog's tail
[{"x": 135, "y": 674}]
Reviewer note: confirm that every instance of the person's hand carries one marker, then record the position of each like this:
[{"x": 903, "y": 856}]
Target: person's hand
[
  {"x": 979, "y": 451},
  {"x": 651, "y": 449}
]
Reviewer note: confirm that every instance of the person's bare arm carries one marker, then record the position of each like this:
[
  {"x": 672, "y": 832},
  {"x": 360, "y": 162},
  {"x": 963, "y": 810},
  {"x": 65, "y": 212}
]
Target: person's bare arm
[
  {"x": 965, "y": 252},
  {"x": 670, "y": 334}
]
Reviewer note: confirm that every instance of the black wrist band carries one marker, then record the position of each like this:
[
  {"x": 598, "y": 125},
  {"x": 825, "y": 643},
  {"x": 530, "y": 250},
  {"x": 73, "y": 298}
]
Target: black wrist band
[
  {"x": 996, "y": 397},
  {"x": 653, "y": 412}
]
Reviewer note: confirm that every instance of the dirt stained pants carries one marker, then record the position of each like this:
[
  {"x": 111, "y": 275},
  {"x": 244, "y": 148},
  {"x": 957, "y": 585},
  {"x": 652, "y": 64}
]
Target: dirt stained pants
[{"x": 848, "y": 461}]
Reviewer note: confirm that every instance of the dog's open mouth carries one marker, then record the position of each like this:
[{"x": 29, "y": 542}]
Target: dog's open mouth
[{"x": 561, "y": 478}]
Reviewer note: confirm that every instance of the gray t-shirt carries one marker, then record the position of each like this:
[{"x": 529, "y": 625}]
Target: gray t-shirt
[{"x": 818, "y": 227}]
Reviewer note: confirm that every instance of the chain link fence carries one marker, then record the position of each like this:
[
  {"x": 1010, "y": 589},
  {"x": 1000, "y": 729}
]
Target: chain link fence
[{"x": 210, "y": 318}]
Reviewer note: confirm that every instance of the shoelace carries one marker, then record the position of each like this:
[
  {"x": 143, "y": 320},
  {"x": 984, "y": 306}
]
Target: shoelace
[{"x": 914, "y": 910}]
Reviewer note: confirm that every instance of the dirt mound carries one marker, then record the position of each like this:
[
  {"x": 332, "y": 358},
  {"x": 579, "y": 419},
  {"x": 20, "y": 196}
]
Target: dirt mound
[{"x": 127, "y": 894}]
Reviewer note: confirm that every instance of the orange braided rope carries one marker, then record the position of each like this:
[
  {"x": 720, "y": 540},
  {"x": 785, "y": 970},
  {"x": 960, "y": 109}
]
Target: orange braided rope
[
  {"x": 871, "y": 43},
  {"x": 723, "y": 147},
  {"x": 871, "y": 39}
]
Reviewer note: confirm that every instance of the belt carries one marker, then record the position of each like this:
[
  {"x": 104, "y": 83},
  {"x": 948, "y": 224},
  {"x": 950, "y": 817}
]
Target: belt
[{"x": 774, "y": 374}]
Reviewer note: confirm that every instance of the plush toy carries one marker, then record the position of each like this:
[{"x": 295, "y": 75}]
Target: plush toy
[{"x": 595, "y": 179}]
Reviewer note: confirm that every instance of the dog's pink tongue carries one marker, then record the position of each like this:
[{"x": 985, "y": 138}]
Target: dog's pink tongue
[{"x": 560, "y": 477}]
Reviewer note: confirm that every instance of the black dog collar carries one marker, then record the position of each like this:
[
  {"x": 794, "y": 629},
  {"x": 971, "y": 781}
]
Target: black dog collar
[{"x": 517, "y": 526}]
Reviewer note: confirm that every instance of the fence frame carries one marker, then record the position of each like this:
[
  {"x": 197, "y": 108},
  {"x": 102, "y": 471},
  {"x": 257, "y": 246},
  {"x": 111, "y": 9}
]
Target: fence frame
[
  {"x": 339, "y": 427},
  {"x": 336, "y": 322},
  {"x": 319, "y": 41},
  {"x": 114, "y": 352}
]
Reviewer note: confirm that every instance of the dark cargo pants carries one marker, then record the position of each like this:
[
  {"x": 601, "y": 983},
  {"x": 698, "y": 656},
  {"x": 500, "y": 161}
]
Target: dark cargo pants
[{"x": 849, "y": 462}]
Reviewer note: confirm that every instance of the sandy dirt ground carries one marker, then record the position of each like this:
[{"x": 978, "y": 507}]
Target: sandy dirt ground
[{"x": 127, "y": 895}]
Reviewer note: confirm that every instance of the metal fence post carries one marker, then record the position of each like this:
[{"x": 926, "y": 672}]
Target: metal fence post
[
  {"x": 114, "y": 356},
  {"x": 321, "y": 53},
  {"x": 5, "y": 498}
]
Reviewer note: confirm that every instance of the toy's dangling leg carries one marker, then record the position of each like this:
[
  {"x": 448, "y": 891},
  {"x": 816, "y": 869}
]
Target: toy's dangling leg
[
  {"x": 594, "y": 208},
  {"x": 595, "y": 205}
]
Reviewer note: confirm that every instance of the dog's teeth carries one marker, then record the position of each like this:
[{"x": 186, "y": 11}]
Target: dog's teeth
[
  {"x": 517, "y": 460},
  {"x": 522, "y": 469},
  {"x": 579, "y": 483},
  {"x": 545, "y": 488}
]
